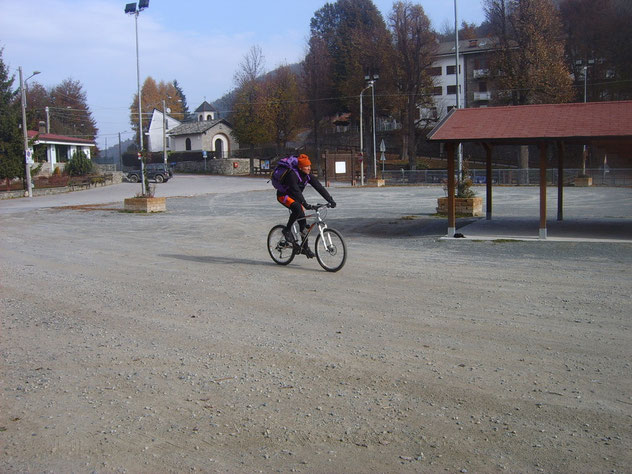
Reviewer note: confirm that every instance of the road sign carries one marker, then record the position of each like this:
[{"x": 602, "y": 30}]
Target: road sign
[
  {"x": 382, "y": 146},
  {"x": 29, "y": 156}
]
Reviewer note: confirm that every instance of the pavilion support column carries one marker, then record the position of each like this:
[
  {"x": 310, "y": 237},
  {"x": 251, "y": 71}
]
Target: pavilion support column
[
  {"x": 450, "y": 150},
  {"x": 560, "y": 181},
  {"x": 488, "y": 181},
  {"x": 542, "y": 234}
]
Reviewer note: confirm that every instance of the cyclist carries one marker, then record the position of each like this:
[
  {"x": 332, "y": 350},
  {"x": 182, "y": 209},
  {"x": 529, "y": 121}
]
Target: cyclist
[{"x": 293, "y": 199}]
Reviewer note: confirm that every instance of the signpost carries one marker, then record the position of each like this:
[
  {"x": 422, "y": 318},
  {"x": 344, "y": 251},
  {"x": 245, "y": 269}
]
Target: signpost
[{"x": 382, "y": 157}]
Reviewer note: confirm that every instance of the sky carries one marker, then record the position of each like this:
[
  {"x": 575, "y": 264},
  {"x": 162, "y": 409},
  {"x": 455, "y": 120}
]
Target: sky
[{"x": 200, "y": 43}]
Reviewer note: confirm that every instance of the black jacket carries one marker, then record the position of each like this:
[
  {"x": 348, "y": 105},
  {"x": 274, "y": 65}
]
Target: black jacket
[{"x": 297, "y": 186}]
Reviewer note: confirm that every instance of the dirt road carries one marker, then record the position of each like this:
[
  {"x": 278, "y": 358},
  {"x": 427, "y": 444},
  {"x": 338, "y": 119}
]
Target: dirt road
[{"x": 171, "y": 342}]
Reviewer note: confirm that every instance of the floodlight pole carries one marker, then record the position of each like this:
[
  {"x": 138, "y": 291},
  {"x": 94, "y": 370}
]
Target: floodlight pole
[
  {"x": 140, "y": 113},
  {"x": 458, "y": 92},
  {"x": 136, "y": 10},
  {"x": 361, "y": 140}
]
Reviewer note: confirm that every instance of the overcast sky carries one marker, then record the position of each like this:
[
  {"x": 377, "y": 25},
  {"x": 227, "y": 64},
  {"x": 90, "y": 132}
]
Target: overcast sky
[{"x": 198, "y": 42}]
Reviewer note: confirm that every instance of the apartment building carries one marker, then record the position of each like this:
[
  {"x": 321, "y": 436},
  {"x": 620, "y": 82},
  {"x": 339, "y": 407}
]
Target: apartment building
[{"x": 473, "y": 70}]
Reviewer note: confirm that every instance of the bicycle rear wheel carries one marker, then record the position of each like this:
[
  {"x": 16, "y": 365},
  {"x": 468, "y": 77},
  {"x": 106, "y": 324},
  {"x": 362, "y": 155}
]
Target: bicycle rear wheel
[
  {"x": 281, "y": 251},
  {"x": 331, "y": 252}
]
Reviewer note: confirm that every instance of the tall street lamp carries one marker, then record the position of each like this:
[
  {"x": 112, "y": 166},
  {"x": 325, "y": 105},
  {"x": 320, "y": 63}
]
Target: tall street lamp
[
  {"x": 27, "y": 154},
  {"x": 371, "y": 81},
  {"x": 362, "y": 138},
  {"x": 132, "y": 9}
]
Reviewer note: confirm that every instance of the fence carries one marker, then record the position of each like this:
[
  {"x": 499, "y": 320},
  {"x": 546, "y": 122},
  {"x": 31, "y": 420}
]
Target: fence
[{"x": 609, "y": 177}]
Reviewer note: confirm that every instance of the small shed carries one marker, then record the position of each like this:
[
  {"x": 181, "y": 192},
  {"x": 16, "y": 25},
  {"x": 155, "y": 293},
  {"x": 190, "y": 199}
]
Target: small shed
[{"x": 603, "y": 124}]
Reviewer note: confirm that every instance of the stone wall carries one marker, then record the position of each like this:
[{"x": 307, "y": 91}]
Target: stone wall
[{"x": 225, "y": 167}]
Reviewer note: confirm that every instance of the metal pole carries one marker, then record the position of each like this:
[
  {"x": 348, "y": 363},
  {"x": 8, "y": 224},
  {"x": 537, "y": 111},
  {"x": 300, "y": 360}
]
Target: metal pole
[
  {"x": 140, "y": 114},
  {"x": 47, "y": 119},
  {"x": 374, "y": 146},
  {"x": 458, "y": 92},
  {"x": 27, "y": 166},
  {"x": 361, "y": 139},
  {"x": 585, "y": 151},
  {"x": 164, "y": 131}
]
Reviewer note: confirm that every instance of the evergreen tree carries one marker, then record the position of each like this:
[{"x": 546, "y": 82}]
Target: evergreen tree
[
  {"x": 183, "y": 101},
  {"x": 11, "y": 144}
]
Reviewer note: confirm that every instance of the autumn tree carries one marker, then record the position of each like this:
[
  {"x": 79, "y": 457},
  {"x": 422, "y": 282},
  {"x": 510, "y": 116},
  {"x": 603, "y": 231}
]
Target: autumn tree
[
  {"x": 248, "y": 117},
  {"x": 283, "y": 105},
  {"x": 317, "y": 88},
  {"x": 152, "y": 96},
  {"x": 529, "y": 66},
  {"x": 69, "y": 111},
  {"x": 11, "y": 145},
  {"x": 414, "y": 44},
  {"x": 358, "y": 43}
]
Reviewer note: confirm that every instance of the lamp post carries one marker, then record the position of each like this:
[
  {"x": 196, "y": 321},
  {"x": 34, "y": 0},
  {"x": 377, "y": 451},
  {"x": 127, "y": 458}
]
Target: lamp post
[
  {"x": 132, "y": 9},
  {"x": 371, "y": 81},
  {"x": 27, "y": 160},
  {"x": 362, "y": 138}
]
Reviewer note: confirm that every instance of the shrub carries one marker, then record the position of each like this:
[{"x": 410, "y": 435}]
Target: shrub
[{"x": 79, "y": 165}]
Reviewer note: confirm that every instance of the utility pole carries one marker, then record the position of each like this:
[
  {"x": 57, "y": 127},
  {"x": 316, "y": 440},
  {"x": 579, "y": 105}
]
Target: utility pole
[
  {"x": 27, "y": 153},
  {"x": 164, "y": 131}
]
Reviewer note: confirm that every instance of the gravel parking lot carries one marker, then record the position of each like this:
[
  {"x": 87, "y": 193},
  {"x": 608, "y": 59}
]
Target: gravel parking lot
[{"x": 172, "y": 342}]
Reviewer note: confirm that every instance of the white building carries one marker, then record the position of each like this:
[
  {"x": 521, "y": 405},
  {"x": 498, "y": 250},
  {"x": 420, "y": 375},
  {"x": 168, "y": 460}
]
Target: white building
[
  {"x": 60, "y": 148},
  {"x": 472, "y": 72},
  {"x": 156, "y": 128}
]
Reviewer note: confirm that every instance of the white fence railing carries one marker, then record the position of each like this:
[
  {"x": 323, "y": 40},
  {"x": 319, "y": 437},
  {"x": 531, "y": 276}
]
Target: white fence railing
[{"x": 609, "y": 177}]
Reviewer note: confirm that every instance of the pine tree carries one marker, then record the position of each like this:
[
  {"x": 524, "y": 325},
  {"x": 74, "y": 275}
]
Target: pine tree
[{"x": 11, "y": 145}]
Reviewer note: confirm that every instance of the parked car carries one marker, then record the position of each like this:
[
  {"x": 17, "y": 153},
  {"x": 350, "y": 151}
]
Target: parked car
[{"x": 156, "y": 171}]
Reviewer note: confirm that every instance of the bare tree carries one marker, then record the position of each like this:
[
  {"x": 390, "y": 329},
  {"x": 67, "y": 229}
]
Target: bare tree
[
  {"x": 414, "y": 46},
  {"x": 251, "y": 67}
]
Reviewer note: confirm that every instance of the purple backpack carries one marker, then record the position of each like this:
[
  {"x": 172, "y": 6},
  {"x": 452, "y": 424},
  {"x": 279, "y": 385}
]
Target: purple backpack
[{"x": 284, "y": 166}]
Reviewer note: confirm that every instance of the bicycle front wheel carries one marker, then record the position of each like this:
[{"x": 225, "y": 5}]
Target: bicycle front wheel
[
  {"x": 281, "y": 251},
  {"x": 331, "y": 251}
]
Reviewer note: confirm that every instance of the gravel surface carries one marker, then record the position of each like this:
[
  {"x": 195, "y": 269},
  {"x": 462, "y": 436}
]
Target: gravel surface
[{"x": 172, "y": 342}]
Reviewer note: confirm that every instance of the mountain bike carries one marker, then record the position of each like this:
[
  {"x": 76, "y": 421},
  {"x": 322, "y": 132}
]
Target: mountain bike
[{"x": 329, "y": 246}]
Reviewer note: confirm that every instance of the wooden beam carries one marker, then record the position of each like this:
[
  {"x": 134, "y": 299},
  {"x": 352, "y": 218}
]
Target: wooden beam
[
  {"x": 560, "y": 181},
  {"x": 450, "y": 150},
  {"x": 542, "y": 233},
  {"x": 488, "y": 180}
]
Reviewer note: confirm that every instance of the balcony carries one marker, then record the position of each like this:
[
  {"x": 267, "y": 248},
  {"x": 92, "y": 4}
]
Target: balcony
[
  {"x": 480, "y": 73},
  {"x": 478, "y": 96}
]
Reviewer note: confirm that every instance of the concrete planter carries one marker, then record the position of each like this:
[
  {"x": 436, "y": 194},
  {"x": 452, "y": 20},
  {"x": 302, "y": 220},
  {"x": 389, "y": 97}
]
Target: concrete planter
[
  {"x": 145, "y": 204},
  {"x": 376, "y": 182},
  {"x": 462, "y": 206},
  {"x": 581, "y": 182}
]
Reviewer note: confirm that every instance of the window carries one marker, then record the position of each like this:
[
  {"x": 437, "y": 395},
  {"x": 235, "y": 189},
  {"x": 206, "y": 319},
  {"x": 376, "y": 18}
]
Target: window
[
  {"x": 188, "y": 144},
  {"x": 437, "y": 90},
  {"x": 452, "y": 69},
  {"x": 451, "y": 90},
  {"x": 434, "y": 71}
]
